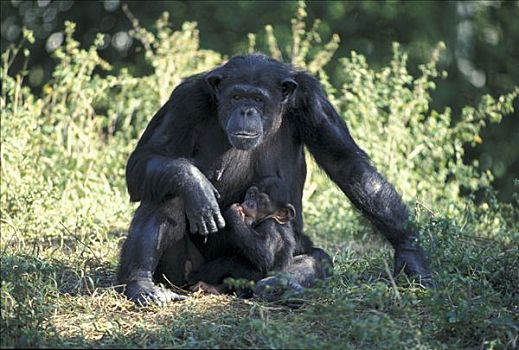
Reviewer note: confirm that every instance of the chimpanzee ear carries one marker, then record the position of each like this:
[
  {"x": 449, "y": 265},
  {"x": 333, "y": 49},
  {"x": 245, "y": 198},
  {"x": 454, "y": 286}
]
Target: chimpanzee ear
[
  {"x": 291, "y": 211},
  {"x": 288, "y": 86},
  {"x": 285, "y": 214},
  {"x": 214, "y": 79}
]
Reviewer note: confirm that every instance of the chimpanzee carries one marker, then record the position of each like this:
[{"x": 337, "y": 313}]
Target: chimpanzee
[
  {"x": 261, "y": 230},
  {"x": 218, "y": 133}
]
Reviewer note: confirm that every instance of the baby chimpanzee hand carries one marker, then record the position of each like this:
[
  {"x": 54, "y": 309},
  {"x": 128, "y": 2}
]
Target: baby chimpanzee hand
[{"x": 235, "y": 213}]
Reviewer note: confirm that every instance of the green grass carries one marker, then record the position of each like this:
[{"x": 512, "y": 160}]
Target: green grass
[
  {"x": 65, "y": 212},
  {"x": 62, "y": 295}
]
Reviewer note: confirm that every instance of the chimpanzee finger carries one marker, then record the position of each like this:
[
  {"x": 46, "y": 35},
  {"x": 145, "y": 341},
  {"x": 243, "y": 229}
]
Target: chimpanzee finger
[
  {"x": 193, "y": 227},
  {"x": 202, "y": 228},
  {"x": 215, "y": 191},
  {"x": 211, "y": 224},
  {"x": 219, "y": 220},
  {"x": 158, "y": 300},
  {"x": 177, "y": 297}
]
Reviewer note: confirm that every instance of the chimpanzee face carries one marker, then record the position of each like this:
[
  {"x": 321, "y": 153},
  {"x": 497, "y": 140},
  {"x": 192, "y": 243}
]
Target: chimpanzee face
[
  {"x": 250, "y": 101},
  {"x": 260, "y": 205}
]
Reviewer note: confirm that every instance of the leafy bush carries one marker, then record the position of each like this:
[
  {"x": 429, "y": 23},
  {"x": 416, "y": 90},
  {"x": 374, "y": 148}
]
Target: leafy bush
[{"x": 64, "y": 206}]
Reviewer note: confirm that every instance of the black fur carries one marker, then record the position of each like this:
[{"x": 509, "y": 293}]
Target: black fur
[
  {"x": 200, "y": 153},
  {"x": 263, "y": 244}
]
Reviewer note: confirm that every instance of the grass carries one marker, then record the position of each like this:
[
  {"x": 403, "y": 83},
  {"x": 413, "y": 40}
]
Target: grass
[{"x": 62, "y": 295}]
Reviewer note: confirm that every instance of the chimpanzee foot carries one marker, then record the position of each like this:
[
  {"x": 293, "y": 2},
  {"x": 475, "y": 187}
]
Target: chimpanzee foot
[
  {"x": 144, "y": 293},
  {"x": 410, "y": 257},
  {"x": 206, "y": 287},
  {"x": 277, "y": 287}
]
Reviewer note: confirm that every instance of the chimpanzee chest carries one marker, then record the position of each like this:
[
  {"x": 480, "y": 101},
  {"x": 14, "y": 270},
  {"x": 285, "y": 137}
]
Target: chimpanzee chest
[{"x": 233, "y": 171}]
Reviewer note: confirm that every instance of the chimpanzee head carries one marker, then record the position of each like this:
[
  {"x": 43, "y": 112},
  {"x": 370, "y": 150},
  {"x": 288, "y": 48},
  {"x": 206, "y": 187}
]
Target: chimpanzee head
[
  {"x": 251, "y": 93},
  {"x": 268, "y": 200}
]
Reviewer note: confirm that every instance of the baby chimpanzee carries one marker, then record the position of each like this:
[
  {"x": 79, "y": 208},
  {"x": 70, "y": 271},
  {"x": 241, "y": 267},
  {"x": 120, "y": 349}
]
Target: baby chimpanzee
[{"x": 262, "y": 233}]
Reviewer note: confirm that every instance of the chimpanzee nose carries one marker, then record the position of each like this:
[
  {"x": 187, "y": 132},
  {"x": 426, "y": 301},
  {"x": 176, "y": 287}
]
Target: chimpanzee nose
[{"x": 248, "y": 112}]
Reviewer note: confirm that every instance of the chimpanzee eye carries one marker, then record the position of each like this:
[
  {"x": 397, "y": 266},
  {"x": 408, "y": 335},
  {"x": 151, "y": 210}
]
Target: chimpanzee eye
[
  {"x": 258, "y": 99},
  {"x": 236, "y": 97}
]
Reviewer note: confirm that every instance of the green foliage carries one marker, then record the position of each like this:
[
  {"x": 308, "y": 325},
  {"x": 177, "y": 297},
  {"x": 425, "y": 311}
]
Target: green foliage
[
  {"x": 64, "y": 209},
  {"x": 480, "y": 57}
]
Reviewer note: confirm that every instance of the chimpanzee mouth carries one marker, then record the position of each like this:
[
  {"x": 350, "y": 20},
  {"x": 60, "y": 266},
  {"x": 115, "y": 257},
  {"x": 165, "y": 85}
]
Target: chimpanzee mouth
[
  {"x": 245, "y": 141},
  {"x": 245, "y": 135}
]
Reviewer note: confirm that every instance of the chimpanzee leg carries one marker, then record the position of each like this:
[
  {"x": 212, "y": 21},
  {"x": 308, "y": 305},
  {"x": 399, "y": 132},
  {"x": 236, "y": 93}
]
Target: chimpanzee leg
[
  {"x": 308, "y": 268},
  {"x": 214, "y": 272},
  {"x": 155, "y": 230},
  {"x": 178, "y": 262},
  {"x": 305, "y": 270}
]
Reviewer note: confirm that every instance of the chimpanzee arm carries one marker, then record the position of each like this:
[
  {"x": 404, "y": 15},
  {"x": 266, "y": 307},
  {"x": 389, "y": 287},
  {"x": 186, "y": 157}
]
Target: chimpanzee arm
[
  {"x": 160, "y": 167},
  {"x": 330, "y": 142}
]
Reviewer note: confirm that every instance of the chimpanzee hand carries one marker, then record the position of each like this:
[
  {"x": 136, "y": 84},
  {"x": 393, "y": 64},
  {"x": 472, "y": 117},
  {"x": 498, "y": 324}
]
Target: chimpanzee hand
[
  {"x": 235, "y": 213},
  {"x": 410, "y": 257},
  {"x": 202, "y": 210}
]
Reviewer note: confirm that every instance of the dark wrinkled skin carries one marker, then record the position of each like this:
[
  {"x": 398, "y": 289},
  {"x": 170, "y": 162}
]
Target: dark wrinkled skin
[
  {"x": 202, "y": 209},
  {"x": 227, "y": 128},
  {"x": 145, "y": 292}
]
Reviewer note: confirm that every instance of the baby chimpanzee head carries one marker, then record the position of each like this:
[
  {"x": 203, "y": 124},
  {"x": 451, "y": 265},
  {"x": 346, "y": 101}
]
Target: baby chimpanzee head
[{"x": 267, "y": 200}]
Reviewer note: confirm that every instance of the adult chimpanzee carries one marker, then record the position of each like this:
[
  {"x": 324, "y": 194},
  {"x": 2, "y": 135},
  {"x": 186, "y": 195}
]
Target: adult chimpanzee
[
  {"x": 218, "y": 133},
  {"x": 261, "y": 229}
]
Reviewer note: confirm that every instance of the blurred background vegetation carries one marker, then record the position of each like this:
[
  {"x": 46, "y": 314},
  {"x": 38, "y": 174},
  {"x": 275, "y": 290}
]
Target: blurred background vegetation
[{"x": 481, "y": 37}]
